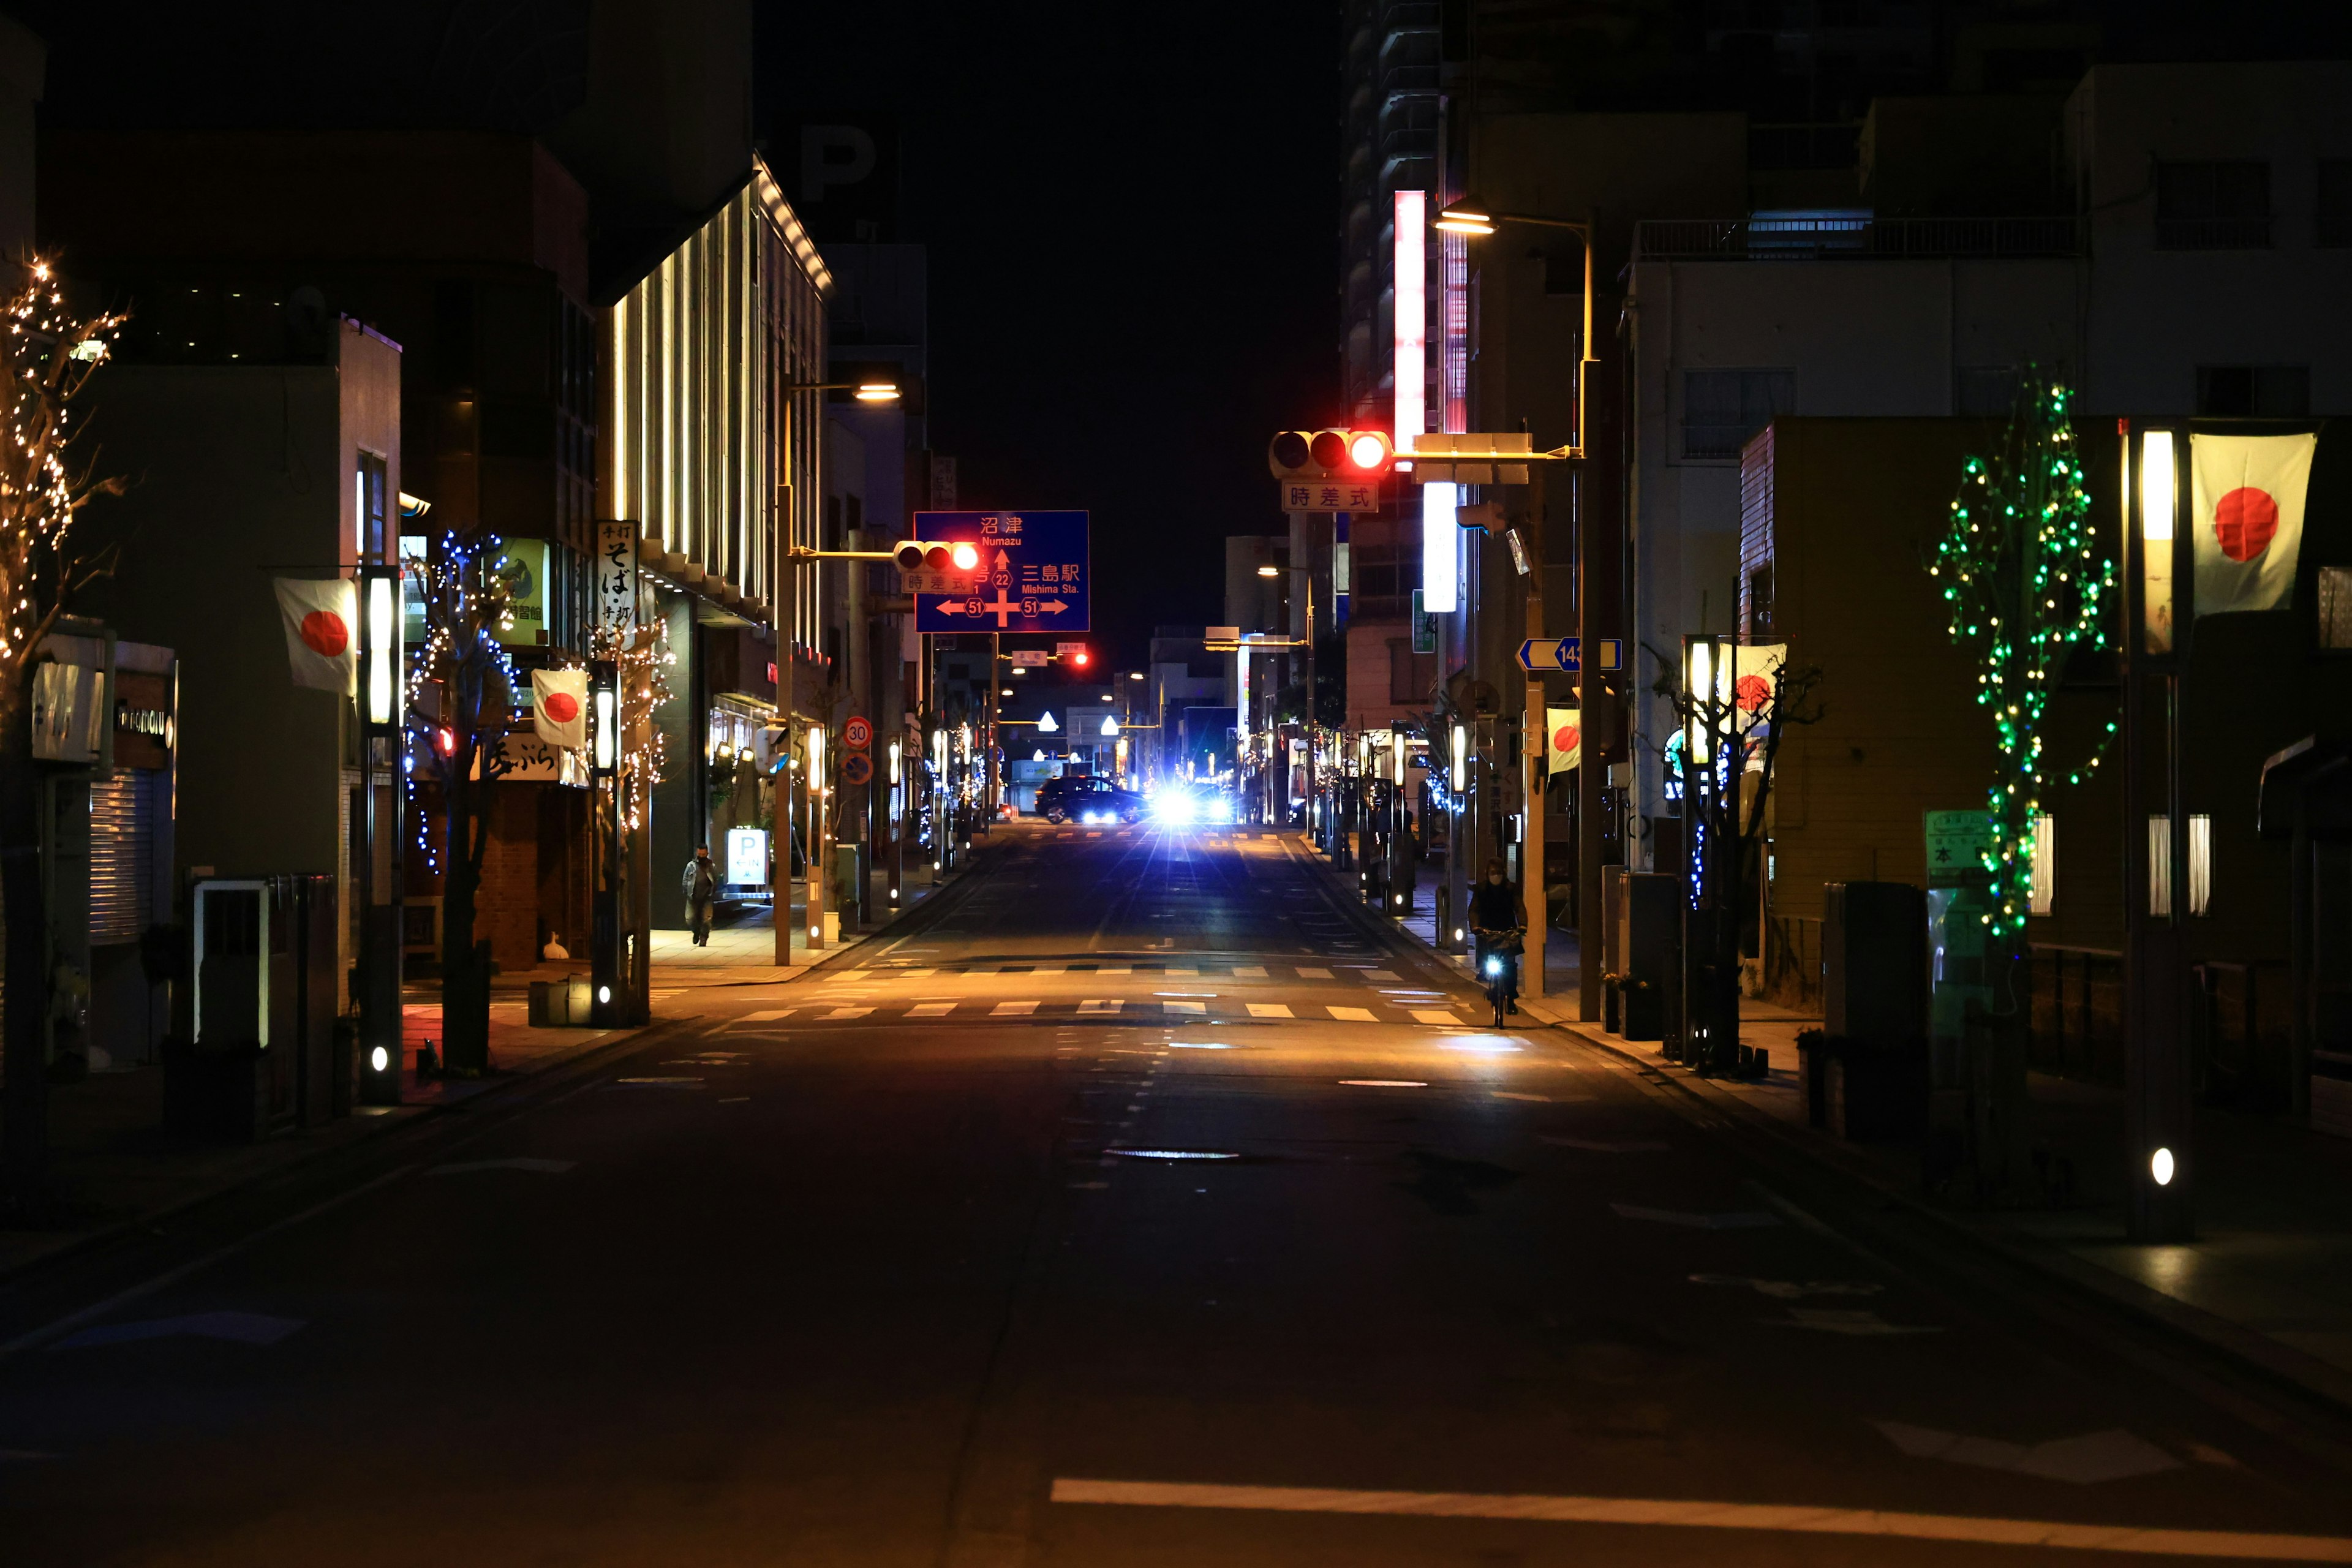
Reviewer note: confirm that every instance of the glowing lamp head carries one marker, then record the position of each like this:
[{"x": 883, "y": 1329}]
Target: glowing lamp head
[
  {"x": 379, "y": 1059},
  {"x": 1463, "y": 218},
  {"x": 965, "y": 555},
  {"x": 1493, "y": 966},
  {"x": 1269, "y": 570},
  {"x": 1080, "y": 658},
  {"x": 2160, "y": 1167},
  {"x": 878, "y": 392},
  {"x": 1369, "y": 450},
  {"x": 604, "y": 993}
]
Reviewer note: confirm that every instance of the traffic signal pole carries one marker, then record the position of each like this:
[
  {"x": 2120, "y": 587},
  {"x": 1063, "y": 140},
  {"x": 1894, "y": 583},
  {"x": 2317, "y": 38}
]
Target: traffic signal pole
[{"x": 1532, "y": 760}]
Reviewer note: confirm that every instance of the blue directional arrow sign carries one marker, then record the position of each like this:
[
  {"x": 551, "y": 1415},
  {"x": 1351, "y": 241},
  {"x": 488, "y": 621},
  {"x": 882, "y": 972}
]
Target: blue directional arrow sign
[
  {"x": 1539, "y": 654},
  {"x": 1031, "y": 574}
]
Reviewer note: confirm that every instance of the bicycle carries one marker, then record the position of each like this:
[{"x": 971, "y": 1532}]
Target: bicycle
[{"x": 1498, "y": 965}]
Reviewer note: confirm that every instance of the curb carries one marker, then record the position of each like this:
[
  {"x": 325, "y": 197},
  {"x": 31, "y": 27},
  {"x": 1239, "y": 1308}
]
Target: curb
[
  {"x": 2277, "y": 1366},
  {"x": 365, "y": 1128}
]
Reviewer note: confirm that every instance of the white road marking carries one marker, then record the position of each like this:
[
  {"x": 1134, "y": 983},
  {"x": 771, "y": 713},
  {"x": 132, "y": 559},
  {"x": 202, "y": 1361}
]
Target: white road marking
[
  {"x": 242, "y": 1328},
  {"x": 931, "y": 1009},
  {"x": 1383, "y": 1083},
  {"x": 1352, "y": 1014},
  {"x": 1431, "y": 1015},
  {"x": 1696, "y": 1513},
  {"x": 1379, "y": 974},
  {"x": 2094, "y": 1456},
  {"x": 1249, "y": 972},
  {"x": 1509, "y": 1094},
  {"x": 1116, "y": 969},
  {"x": 1185, "y": 1006},
  {"x": 849, "y": 1012},
  {"x": 1315, "y": 973},
  {"x": 1745, "y": 1219},
  {"x": 1102, "y": 1004},
  {"x": 1011, "y": 1009},
  {"x": 1269, "y": 1010},
  {"x": 768, "y": 1014},
  {"x": 524, "y": 1162}
]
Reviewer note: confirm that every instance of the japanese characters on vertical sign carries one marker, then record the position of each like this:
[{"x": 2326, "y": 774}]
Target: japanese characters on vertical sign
[
  {"x": 615, "y": 589},
  {"x": 1032, "y": 576}
]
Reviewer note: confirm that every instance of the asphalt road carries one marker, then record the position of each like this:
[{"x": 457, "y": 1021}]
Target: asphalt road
[{"x": 1132, "y": 1204}]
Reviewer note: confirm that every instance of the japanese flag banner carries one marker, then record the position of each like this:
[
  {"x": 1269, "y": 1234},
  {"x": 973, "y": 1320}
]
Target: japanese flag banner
[
  {"x": 1755, "y": 681},
  {"x": 322, "y": 641},
  {"x": 2246, "y": 509},
  {"x": 1566, "y": 729},
  {"x": 559, "y": 700}
]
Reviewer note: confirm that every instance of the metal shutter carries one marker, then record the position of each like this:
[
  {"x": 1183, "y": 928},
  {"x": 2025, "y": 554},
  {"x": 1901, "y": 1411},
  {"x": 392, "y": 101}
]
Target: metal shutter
[{"x": 121, "y": 854}]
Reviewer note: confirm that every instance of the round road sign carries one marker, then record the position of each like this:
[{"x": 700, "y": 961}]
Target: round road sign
[
  {"x": 857, "y": 734},
  {"x": 856, "y": 768}
]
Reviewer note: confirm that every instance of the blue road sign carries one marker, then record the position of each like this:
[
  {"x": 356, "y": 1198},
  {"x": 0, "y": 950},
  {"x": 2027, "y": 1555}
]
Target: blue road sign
[
  {"x": 1539, "y": 654},
  {"x": 1032, "y": 575}
]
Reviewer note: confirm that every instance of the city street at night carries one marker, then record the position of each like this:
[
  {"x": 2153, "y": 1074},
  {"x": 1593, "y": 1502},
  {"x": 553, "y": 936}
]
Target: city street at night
[{"x": 1135, "y": 1202}]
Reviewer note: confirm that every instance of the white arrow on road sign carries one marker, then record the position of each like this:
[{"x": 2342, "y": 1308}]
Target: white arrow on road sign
[
  {"x": 1539, "y": 654},
  {"x": 951, "y": 607},
  {"x": 1053, "y": 606}
]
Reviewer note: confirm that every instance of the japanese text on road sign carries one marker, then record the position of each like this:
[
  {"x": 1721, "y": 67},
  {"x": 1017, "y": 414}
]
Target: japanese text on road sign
[{"x": 1031, "y": 577}]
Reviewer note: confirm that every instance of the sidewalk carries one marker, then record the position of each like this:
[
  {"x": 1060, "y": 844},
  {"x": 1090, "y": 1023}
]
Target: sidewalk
[{"x": 2268, "y": 1281}]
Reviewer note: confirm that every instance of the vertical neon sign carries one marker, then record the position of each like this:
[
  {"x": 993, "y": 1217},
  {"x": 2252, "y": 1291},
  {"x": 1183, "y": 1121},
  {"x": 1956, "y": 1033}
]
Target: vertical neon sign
[{"x": 1411, "y": 319}]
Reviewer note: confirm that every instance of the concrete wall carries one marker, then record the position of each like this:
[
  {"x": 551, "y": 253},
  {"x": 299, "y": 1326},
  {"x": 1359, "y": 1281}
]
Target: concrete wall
[
  {"x": 238, "y": 476},
  {"x": 2154, "y": 315}
]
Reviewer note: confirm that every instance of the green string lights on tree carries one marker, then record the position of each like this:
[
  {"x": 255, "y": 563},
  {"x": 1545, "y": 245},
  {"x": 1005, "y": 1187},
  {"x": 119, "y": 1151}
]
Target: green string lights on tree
[{"x": 2026, "y": 585}]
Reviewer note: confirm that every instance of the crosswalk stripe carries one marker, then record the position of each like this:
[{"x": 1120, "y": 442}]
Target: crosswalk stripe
[
  {"x": 1116, "y": 969},
  {"x": 1249, "y": 972},
  {"x": 1315, "y": 973},
  {"x": 768, "y": 1015},
  {"x": 1101, "y": 1005},
  {"x": 931, "y": 1009},
  {"x": 849, "y": 1012},
  {"x": 1379, "y": 974},
  {"x": 1269, "y": 1010},
  {"x": 1352, "y": 1014},
  {"x": 1432, "y": 1016},
  {"x": 1008, "y": 1009},
  {"x": 1183, "y": 1007}
]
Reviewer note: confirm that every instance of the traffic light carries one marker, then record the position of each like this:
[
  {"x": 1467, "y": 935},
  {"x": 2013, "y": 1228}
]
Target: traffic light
[
  {"x": 1330, "y": 455},
  {"x": 936, "y": 555}
]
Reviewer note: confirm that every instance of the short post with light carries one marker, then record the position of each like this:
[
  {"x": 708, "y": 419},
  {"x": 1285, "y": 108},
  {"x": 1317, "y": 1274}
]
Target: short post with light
[
  {"x": 816, "y": 855},
  {"x": 2156, "y": 1070},
  {"x": 605, "y": 1007},
  {"x": 381, "y": 788}
]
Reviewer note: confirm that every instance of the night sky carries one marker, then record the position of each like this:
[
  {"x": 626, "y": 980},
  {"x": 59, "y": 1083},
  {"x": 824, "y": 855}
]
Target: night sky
[{"x": 1132, "y": 217}]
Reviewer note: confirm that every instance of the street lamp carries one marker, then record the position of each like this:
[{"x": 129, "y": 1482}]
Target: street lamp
[
  {"x": 605, "y": 918},
  {"x": 1596, "y": 547},
  {"x": 871, "y": 391}
]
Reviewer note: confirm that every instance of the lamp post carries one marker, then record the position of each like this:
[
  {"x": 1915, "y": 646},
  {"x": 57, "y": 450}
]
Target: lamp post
[
  {"x": 384, "y": 672},
  {"x": 1594, "y": 568},
  {"x": 816, "y": 837},
  {"x": 2155, "y": 1057}
]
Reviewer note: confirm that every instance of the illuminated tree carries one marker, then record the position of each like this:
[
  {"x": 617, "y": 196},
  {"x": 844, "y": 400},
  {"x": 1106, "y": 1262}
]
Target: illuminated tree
[
  {"x": 462, "y": 690},
  {"x": 48, "y": 358},
  {"x": 2028, "y": 586}
]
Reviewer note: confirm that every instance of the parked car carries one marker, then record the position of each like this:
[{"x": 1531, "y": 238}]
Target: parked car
[{"x": 1088, "y": 800}]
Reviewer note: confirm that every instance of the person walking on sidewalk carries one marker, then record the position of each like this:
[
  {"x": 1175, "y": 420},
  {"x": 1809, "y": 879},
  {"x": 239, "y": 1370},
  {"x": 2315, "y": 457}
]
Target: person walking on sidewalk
[{"x": 700, "y": 884}]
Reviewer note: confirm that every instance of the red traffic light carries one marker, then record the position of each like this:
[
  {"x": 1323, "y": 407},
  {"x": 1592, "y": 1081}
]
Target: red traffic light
[
  {"x": 1330, "y": 455},
  {"x": 935, "y": 555}
]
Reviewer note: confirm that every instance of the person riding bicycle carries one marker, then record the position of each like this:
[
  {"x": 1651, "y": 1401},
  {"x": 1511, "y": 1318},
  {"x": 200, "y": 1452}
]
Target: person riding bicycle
[{"x": 1497, "y": 919}]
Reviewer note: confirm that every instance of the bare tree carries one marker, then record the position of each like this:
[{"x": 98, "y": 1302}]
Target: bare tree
[
  {"x": 48, "y": 356},
  {"x": 461, "y": 707},
  {"x": 1723, "y": 754}
]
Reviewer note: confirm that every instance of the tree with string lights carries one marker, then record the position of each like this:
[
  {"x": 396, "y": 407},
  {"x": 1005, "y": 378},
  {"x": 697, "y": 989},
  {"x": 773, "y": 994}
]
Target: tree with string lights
[
  {"x": 48, "y": 356},
  {"x": 462, "y": 700},
  {"x": 2027, "y": 586}
]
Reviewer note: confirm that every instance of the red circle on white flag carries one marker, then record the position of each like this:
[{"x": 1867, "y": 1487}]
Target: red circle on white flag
[
  {"x": 2245, "y": 520},
  {"x": 1752, "y": 692},
  {"x": 324, "y": 634},
  {"x": 563, "y": 706},
  {"x": 1564, "y": 739}
]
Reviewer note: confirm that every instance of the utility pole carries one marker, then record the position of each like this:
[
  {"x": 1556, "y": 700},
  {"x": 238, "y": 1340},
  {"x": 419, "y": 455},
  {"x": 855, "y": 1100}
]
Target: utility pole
[{"x": 1531, "y": 753}]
